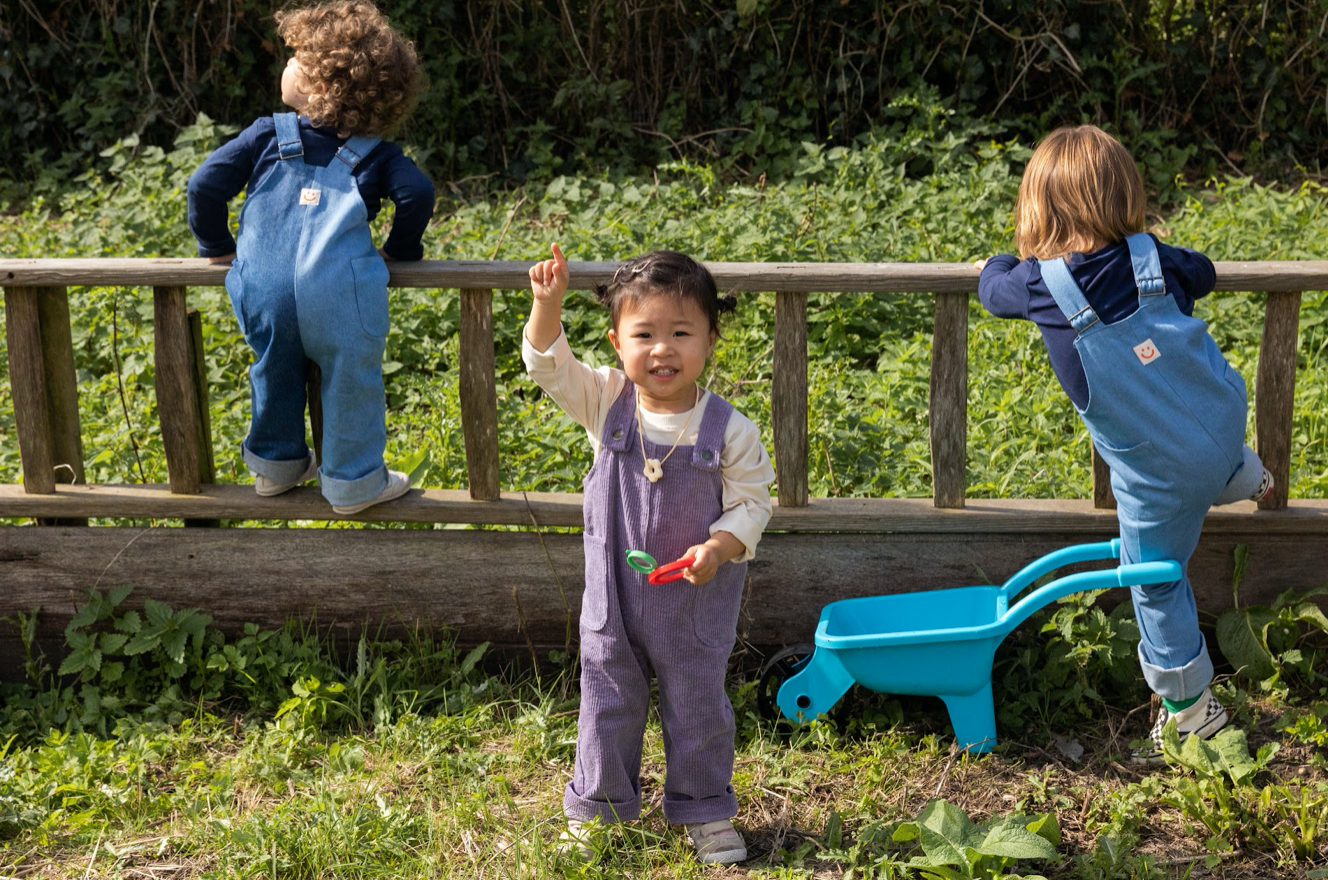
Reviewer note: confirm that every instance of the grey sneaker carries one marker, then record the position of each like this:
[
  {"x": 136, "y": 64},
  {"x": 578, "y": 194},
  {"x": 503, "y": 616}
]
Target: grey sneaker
[
  {"x": 398, "y": 484},
  {"x": 1203, "y": 719},
  {"x": 1265, "y": 487},
  {"x": 717, "y": 843},
  {"x": 268, "y": 487}
]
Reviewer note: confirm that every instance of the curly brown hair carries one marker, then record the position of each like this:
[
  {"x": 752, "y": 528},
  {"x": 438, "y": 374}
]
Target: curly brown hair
[{"x": 364, "y": 76}]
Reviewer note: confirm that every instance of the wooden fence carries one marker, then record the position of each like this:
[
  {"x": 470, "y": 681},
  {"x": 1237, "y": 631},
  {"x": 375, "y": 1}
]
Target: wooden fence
[{"x": 523, "y": 586}]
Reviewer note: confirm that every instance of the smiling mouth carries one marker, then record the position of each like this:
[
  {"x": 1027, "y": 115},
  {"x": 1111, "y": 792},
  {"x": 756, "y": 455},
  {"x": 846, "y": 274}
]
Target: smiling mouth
[{"x": 664, "y": 372}]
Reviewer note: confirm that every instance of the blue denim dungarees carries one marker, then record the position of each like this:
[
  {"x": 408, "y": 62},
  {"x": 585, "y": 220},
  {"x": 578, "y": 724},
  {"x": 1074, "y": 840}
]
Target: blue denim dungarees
[
  {"x": 1167, "y": 412},
  {"x": 309, "y": 285},
  {"x": 681, "y": 632}
]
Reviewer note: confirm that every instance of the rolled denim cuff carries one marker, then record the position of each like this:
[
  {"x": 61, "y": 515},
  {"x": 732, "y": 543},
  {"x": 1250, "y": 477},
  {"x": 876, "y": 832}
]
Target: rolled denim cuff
[
  {"x": 1182, "y": 682},
  {"x": 347, "y": 492},
  {"x": 277, "y": 471},
  {"x": 1245, "y": 481},
  {"x": 680, "y": 811}
]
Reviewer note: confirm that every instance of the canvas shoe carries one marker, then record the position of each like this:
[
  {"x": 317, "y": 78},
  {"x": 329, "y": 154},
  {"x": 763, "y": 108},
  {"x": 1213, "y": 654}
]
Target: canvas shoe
[
  {"x": 582, "y": 840},
  {"x": 268, "y": 487},
  {"x": 1203, "y": 719},
  {"x": 717, "y": 843},
  {"x": 398, "y": 484},
  {"x": 1265, "y": 487}
]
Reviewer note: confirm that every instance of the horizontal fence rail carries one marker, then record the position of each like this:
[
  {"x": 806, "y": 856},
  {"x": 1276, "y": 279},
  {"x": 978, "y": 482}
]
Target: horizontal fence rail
[{"x": 43, "y": 386}]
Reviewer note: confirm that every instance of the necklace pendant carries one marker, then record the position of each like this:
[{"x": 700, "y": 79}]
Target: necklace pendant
[{"x": 653, "y": 470}]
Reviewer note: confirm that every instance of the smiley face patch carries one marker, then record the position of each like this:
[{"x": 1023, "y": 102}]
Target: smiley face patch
[
  {"x": 309, "y": 197},
  {"x": 1147, "y": 352}
]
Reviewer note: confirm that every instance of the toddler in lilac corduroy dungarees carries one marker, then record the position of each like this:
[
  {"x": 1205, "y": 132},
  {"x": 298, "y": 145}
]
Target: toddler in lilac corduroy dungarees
[{"x": 673, "y": 491}]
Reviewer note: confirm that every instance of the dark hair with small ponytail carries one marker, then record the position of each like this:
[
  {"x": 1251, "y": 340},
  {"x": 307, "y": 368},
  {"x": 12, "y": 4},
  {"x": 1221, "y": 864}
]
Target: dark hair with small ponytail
[{"x": 669, "y": 273}]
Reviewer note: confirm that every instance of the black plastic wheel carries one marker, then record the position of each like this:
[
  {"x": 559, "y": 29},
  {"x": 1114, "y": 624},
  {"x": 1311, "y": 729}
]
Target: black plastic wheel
[{"x": 777, "y": 670}]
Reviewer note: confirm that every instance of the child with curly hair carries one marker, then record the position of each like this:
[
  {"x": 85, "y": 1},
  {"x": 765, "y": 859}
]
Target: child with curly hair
[{"x": 306, "y": 282}]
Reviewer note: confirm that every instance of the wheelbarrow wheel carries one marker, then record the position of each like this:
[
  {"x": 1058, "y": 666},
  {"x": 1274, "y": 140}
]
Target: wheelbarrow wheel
[{"x": 778, "y": 669}]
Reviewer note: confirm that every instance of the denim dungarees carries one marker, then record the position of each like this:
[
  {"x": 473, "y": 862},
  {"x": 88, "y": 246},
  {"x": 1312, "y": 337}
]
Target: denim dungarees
[
  {"x": 309, "y": 285},
  {"x": 680, "y": 632},
  {"x": 1167, "y": 412}
]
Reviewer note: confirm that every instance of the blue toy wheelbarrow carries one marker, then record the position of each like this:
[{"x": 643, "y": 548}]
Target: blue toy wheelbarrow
[{"x": 936, "y": 643}]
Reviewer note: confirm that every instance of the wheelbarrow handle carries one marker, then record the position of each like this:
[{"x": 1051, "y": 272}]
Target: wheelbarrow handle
[
  {"x": 1052, "y": 561},
  {"x": 1163, "y": 572}
]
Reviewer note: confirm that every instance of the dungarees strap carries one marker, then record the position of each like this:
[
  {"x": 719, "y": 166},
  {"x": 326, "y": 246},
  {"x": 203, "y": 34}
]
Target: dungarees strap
[
  {"x": 354, "y": 150},
  {"x": 1147, "y": 266},
  {"x": 710, "y": 436},
  {"x": 288, "y": 135},
  {"x": 1065, "y": 290}
]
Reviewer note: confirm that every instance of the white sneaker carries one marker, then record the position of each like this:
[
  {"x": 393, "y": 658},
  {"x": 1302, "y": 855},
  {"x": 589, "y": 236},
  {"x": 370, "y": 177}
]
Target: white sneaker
[
  {"x": 268, "y": 487},
  {"x": 582, "y": 841},
  {"x": 1203, "y": 719},
  {"x": 398, "y": 484},
  {"x": 717, "y": 843},
  {"x": 1265, "y": 487}
]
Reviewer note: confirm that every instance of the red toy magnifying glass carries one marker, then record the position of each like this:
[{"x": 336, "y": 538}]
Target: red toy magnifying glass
[{"x": 671, "y": 572}]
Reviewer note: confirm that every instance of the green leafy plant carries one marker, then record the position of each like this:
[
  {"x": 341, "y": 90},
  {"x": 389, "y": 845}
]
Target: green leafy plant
[
  {"x": 955, "y": 847},
  {"x": 1267, "y": 643}
]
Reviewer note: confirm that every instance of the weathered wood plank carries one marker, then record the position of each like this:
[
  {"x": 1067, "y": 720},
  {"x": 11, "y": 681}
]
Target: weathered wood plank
[
  {"x": 848, "y": 515},
  {"x": 1103, "y": 495},
  {"x": 465, "y": 580},
  {"x": 788, "y": 397},
  {"x": 313, "y": 388},
  {"x": 27, "y": 384},
  {"x": 177, "y": 396},
  {"x": 512, "y": 275},
  {"x": 1275, "y": 389},
  {"x": 61, "y": 380},
  {"x": 207, "y": 463},
  {"x": 479, "y": 394},
  {"x": 949, "y": 400}
]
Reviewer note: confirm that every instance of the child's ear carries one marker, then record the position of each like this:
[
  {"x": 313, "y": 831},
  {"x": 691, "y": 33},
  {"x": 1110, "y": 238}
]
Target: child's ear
[{"x": 613, "y": 337}]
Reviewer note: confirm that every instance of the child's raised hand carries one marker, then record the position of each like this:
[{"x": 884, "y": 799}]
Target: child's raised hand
[
  {"x": 979, "y": 264},
  {"x": 548, "y": 278}
]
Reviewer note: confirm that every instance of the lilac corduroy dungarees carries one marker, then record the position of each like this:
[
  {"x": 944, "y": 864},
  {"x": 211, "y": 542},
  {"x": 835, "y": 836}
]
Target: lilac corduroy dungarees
[{"x": 681, "y": 632}]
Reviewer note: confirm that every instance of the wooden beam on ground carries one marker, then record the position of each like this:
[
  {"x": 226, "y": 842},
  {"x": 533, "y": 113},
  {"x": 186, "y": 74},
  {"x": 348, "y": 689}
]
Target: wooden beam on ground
[
  {"x": 470, "y": 581},
  {"x": 1275, "y": 389},
  {"x": 479, "y": 394},
  {"x": 908, "y": 278},
  {"x": 948, "y": 408},
  {"x": 788, "y": 398}
]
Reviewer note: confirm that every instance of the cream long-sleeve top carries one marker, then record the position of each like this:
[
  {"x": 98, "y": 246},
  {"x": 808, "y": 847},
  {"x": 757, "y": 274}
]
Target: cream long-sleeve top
[{"x": 586, "y": 394}]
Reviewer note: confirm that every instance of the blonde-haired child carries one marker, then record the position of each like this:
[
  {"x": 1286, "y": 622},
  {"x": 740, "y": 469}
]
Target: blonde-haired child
[{"x": 1162, "y": 405}]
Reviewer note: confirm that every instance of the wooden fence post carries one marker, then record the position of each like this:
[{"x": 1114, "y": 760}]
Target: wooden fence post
[
  {"x": 28, "y": 385},
  {"x": 1275, "y": 390},
  {"x": 178, "y": 394},
  {"x": 479, "y": 394},
  {"x": 949, "y": 400},
  {"x": 1103, "y": 497},
  {"x": 313, "y": 389},
  {"x": 788, "y": 397}
]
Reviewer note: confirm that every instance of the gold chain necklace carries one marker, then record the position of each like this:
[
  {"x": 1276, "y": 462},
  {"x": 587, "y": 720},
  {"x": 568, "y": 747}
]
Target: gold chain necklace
[{"x": 654, "y": 467}]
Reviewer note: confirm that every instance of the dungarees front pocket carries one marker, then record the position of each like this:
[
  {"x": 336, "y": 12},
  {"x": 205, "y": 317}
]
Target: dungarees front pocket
[{"x": 595, "y": 598}]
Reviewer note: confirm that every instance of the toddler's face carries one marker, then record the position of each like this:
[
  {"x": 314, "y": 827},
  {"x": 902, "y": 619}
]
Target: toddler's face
[
  {"x": 295, "y": 86},
  {"x": 663, "y": 345}
]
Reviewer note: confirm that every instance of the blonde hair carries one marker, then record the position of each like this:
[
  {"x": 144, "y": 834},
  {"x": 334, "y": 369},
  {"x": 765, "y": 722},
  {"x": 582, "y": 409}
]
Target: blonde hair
[
  {"x": 1081, "y": 191},
  {"x": 366, "y": 76}
]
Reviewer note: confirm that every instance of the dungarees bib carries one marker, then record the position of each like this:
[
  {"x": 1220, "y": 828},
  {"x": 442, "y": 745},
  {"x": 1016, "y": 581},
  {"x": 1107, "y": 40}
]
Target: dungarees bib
[
  {"x": 1167, "y": 413},
  {"x": 308, "y": 285},
  {"x": 681, "y": 632}
]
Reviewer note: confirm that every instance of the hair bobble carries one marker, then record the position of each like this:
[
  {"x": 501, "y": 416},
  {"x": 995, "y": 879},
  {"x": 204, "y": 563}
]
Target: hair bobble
[{"x": 727, "y": 303}]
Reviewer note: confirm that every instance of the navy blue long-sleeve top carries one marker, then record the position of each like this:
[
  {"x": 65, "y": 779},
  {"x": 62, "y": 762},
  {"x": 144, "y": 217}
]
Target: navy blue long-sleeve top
[
  {"x": 1013, "y": 288},
  {"x": 244, "y": 161}
]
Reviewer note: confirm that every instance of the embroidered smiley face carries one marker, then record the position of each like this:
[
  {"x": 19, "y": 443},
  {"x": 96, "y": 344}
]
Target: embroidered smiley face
[
  {"x": 1147, "y": 352},
  {"x": 309, "y": 197}
]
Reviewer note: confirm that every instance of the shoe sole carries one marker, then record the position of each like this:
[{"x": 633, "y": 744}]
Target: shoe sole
[{"x": 352, "y": 509}]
